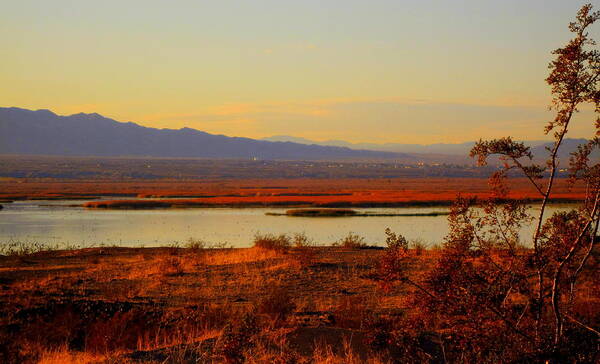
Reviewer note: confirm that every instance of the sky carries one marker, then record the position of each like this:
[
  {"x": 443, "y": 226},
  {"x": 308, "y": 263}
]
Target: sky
[{"x": 397, "y": 71}]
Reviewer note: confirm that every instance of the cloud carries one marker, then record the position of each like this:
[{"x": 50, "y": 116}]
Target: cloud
[
  {"x": 371, "y": 120},
  {"x": 270, "y": 109}
]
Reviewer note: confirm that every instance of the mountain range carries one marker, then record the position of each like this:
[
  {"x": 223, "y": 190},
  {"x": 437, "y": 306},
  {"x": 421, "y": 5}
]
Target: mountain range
[
  {"x": 440, "y": 152},
  {"x": 461, "y": 149},
  {"x": 42, "y": 132}
]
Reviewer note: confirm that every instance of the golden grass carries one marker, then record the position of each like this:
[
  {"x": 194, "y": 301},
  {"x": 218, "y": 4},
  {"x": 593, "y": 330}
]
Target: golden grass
[
  {"x": 323, "y": 354},
  {"x": 63, "y": 355},
  {"x": 241, "y": 255},
  {"x": 190, "y": 294}
]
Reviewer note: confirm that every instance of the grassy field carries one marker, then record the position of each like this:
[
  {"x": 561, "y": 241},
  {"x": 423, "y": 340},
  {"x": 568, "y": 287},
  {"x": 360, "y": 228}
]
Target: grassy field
[
  {"x": 281, "y": 301},
  {"x": 155, "y": 304},
  {"x": 278, "y": 192}
]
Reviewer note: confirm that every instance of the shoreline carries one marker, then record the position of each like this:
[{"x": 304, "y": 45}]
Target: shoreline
[
  {"x": 179, "y": 204},
  {"x": 187, "y": 203}
]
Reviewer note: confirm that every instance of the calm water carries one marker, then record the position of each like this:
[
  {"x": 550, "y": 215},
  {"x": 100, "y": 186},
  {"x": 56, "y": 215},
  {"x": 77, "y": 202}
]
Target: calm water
[{"x": 33, "y": 221}]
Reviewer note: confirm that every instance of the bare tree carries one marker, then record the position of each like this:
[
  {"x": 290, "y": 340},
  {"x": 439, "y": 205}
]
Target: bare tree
[
  {"x": 498, "y": 296},
  {"x": 561, "y": 244}
]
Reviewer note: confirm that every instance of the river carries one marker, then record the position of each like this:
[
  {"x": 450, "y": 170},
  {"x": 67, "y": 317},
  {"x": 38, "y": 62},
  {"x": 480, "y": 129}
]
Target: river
[{"x": 57, "y": 223}]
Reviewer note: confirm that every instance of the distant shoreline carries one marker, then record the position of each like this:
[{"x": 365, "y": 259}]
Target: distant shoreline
[
  {"x": 167, "y": 204},
  {"x": 205, "y": 202},
  {"x": 332, "y": 212},
  {"x": 282, "y": 193}
]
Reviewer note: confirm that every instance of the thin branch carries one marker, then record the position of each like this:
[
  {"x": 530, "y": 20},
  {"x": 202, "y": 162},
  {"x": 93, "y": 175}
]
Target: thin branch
[
  {"x": 582, "y": 324},
  {"x": 535, "y": 184},
  {"x": 557, "y": 273},
  {"x": 586, "y": 256},
  {"x": 522, "y": 314}
]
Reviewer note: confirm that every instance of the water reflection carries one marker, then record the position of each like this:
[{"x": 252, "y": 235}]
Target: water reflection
[{"x": 53, "y": 222}]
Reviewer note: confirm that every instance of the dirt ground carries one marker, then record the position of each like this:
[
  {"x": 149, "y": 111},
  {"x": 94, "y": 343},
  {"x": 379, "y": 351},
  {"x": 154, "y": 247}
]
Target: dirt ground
[{"x": 64, "y": 305}]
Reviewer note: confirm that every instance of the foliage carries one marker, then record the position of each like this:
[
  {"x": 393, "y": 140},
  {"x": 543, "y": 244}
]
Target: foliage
[
  {"x": 21, "y": 248},
  {"x": 280, "y": 242},
  {"x": 196, "y": 245},
  {"x": 301, "y": 240},
  {"x": 277, "y": 305},
  {"x": 395, "y": 242},
  {"x": 393, "y": 263},
  {"x": 304, "y": 250},
  {"x": 237, "y": 338},
  {"x": 418, "y": 245},
  {"x": 352, "y": 241},
  {"x": 497, "y": 298}
]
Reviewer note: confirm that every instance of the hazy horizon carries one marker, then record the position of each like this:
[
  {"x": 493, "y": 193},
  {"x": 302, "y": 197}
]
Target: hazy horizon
[
  {"x": 378, "y": 72},
  {"x": 280, "y": 137}
]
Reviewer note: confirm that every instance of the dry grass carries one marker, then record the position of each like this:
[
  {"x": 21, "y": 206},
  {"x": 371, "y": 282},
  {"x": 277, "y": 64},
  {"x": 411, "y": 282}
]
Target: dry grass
[
  {"x": 63, "y": 355},
  {"x": 352, "y": 241},
  {"x": 171, "y": 305},
  {"x": 157, "y": 298},
  {"x": 284, "y": 192}
]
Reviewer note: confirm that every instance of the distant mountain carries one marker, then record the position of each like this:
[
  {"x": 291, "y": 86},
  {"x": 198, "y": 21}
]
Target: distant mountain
[
  {"x": 567, "y": 147},
  {"x": 42, "y": 132},
  {"x": 455, "y": 149},
  {"x": 443, "y": 153}
]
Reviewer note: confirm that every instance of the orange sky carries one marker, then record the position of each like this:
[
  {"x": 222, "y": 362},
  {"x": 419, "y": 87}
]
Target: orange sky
[{"x": 381, "y": 71}]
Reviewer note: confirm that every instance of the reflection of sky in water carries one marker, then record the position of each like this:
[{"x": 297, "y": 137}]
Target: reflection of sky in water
[{"x": 27, "y": 221}]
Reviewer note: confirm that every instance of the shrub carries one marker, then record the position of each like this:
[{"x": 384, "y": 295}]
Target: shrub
[
  {"x": 195, "y": 244},
  {"x": 237, "y": 338},
  {"x": 277, "y": 305},
  {"x": 353, "y": 241},
  {"x": 171, "y": 266},
  {"x": 174, "y": 248},
  {"x": 304, "y": 250},
  {"x": 281, "y": 242},
  {"x": 302, "y": 240},
  {"x": 418, "y": 245},
  {"x": 394, "y": 241},
  {"x": 393, "y": 263}
]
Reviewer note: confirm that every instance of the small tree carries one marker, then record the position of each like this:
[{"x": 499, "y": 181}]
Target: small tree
[{"x": 526, "y": 295}]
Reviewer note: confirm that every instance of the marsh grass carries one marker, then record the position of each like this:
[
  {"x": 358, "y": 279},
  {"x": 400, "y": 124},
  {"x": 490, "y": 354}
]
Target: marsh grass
[
  {"x": 352, "y": 241},
  {"x": 22, "y": 248},
  {"x": 196, "y": 245},
  {"x": 18, "y": 248},
  {"x": 418, "y": 246},
  {"x": 281, "y": 242}
]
